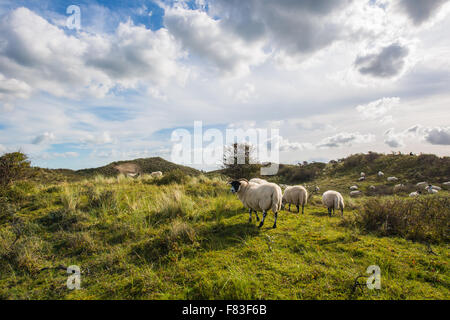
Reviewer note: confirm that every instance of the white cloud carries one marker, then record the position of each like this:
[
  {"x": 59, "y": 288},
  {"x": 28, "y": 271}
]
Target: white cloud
[
  {"x": 35, "y": 53},
  {"x": 378, "y": 110},
  {"x": 103, "y": 138},
  {"x": 345, "y": 138},
  {"x": 207, "y": 39},
  {"x": 43, "y": 138}
]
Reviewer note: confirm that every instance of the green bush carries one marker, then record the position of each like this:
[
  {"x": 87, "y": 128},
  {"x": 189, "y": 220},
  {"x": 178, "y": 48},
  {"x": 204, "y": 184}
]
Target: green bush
[
  {"x": 175, "y": 176},
  {"x": 13, "y": 166},
  {"x": 426, "y": 218}
]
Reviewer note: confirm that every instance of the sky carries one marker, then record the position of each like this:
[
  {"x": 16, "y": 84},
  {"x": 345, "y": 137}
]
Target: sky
[{"x": 335, "y": 77}]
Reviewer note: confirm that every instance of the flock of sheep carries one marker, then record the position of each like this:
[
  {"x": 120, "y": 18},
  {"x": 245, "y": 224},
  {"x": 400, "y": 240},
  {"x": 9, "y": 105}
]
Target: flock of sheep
[
  {"x": 261, "y": 195},
  {"x": 422, "y": 187}
]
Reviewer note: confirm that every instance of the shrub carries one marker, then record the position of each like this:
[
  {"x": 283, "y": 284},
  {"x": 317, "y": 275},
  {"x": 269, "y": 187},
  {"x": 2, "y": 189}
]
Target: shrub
[
  {"x": 426, "y": 218},
  {"x": 13, "y": 166},
  {"x": 175, "y": 176}
]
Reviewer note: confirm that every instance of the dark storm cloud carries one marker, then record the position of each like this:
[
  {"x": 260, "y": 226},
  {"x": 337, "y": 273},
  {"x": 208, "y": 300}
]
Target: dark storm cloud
[
  {"x": 421, "y": 10},
  {"x": 296, "y": 26},
  {"x": 438, "y": 136},
  {"x": 387, "y": 63}
]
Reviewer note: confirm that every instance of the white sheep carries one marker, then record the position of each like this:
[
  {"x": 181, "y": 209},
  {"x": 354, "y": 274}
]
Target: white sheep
[
  {"x": 258, "y": 180},
  {"x": 354, "y": 188},
  {"x": 156, "y": 174},
  {"x": 392, "y": 179},
  {"x": 355, "y": 193},
  {"x": 333, "y": 200},
  {"x": 362, "y": 174},
  {"x": 399, "y": 187},
  {"x": 362, "y": 179},
  {"x": 431, "y": 190},
  {"x": 297, "y": 195},
  {"x": 256, "y": 197},
  {"x": 414, "y": 194},
  {"x": 421, "y": 184},
  {"x": 372, "y": 187},
  {"x": 380, "y": 174}
]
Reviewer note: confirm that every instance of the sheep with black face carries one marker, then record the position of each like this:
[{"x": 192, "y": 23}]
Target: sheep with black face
[{"x": 262, "y": 197}]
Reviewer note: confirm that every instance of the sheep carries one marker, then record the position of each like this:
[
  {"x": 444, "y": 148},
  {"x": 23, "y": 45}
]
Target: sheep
[
  {"x": 372, "y": 187},
  {"x": 415, "y": 193},
  {"x": 256, "y": 197},
  {"x": 355, "y": 193},
  {"x": 333, "y": 200},
  {"x": 297, "y": 195},
  {"x": 421, "y": 184},
  {"x": 354, "y": 188},
  {"x": 432, "y": 189},
  {"x": 156, "y": 174},
  {"x": 380, "y": 174},
  {"x": 392, "y": 179},
  {"x": 362, "y": 179},
  {"x": 258, "y": 180},
  {"x": 363, "y": 174},
  {"x": 399, "y": 187},
  {"x": 128, "y": 169}
]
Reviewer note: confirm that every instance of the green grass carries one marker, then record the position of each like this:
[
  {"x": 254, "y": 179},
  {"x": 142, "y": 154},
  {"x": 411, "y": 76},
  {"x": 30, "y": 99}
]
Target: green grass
[{"x": 143, "y": 239}]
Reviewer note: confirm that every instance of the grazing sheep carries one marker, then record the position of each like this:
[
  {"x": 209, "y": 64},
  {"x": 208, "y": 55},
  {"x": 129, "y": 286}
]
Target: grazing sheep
[
  {"x": 354, "y": 188},
  {"x": 333, "y": 200},
  {"x": 362, "y": 174},
  {"x": 355, "y": 193},
  {"x": 392, "y": 179},
  {"x": 362, "y": 179},
  {"x": 256, "y": 197},
  {"x": 421, "y": 184},
  {"x": 128, "y": 169},
  {"x": 156, "y": 174},
  {"x": 297, "y": 195},
  {"x": 399, "y": 187},
  {"x": 380, "y": 174},
  {"x": 433, "y": 187},
  {"x": 431, "y": 190},
  {"x": 258, "y": 180},
  {"x": 372, "y": 187},
  {"x": 415, "y": 193}
]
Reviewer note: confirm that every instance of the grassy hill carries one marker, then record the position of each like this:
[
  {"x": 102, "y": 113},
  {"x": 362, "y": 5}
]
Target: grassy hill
[
  {"x": 187, "y": 237},
  {"x": 147, "y": 165}
]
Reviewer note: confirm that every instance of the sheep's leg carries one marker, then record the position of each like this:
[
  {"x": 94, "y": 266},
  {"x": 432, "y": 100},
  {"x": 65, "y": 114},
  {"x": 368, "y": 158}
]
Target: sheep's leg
[
  {"x": 298, "y": 208},
  {"x": 329, "y": 212},
  {"x": 256, "y": 214},
  {"x": 289, "y": 207},
  {"x": 263, "y": 218},
  {"x": 342, "y": 211},
  {"x": 275, "y": 223},
  {"x": 249, "y": 215}
]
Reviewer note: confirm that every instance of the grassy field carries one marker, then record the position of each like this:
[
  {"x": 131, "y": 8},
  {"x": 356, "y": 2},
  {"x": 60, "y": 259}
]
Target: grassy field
[{"x": 189, "y": 238}]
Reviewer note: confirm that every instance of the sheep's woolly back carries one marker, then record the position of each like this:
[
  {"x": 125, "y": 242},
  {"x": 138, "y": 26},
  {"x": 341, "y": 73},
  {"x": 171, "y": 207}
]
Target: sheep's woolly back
[
  {"x": 333, "y": 199},
  {"x": 296, "y": 195},
  {"x": 260, "y": 197},
  {"x": 258, "y": 180}
]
